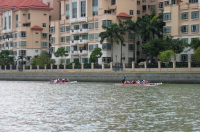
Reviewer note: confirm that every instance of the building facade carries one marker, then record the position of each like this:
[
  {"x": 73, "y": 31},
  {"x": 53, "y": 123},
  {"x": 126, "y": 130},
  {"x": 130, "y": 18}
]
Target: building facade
[
  {"x": 24, "y": 27},
  {"x": 80, "y": 25},
  {"x": 32, "y": 27}
]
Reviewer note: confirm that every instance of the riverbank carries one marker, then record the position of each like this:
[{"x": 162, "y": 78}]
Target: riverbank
[{"x": 175, "y": 77}]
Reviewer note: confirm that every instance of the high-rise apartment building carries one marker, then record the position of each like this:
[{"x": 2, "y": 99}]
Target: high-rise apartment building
[
  {"x": 182, "y": 21},
  {"x": 24, "y": 27},
  {"x": 80, "y": 25},
  {"x": 75, "y": 25}
]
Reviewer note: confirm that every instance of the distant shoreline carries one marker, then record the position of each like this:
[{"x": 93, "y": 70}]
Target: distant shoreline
[{"x": 179, "y": 78}]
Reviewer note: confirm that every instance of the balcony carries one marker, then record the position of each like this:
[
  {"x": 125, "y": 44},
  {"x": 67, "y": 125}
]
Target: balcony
[
  {"x": 83, "y": 30},
  {"x": 79, "y": 52},
  {"x": 74, "y": 42},
  {"x": 72, "y": 31},
  {"x": 83, "y": 41},
  {"x": 80, "y": 19}
]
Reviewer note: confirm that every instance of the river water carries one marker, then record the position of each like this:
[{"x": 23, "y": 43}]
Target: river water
[{"x": 97, "y": 107}]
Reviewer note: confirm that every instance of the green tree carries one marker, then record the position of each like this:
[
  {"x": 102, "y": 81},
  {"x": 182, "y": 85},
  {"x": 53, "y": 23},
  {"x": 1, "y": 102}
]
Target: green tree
[
  {"x": 5, "y": 58},
  {"x": 195, "y": 43},
  {"x": 41, "y": 60},
  {"x": 165, "y": 56},
  {"x": 175, "y": 45},
  {"x": 197, "y": 55},
  {"x": 154, "y": 47},
  {"x": 111, "y": 35},
  {"x": 61, "y": 52},
  {"x": 96, "y": 53},
  {"x": 150, "y": 27}
]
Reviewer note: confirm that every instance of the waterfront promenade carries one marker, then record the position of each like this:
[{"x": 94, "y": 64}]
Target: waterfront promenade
[{"x": 183, "y": 75}]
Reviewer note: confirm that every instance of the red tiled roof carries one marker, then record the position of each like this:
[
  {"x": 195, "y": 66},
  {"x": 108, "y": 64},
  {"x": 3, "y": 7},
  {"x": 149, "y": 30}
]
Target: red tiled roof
[
  {"x": 23, "y": 4},
  {"x": 36, "y": 28},
  {"x": 124, "y": 15}
]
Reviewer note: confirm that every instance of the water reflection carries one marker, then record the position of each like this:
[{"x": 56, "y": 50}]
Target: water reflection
[{"x": 38, "y": 106}]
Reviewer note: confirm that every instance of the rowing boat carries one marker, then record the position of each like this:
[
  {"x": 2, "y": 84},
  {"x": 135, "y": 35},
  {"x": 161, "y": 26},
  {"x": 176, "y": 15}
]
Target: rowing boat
[
  {"x": 63, "y": 82},
  {"x": 146, "y": 84}
]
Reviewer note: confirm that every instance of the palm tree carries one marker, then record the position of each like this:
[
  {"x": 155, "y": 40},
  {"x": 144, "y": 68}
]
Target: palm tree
[
  {"x": 150, "y": 26},
  {"x": 133, "y": 28},
  {"x": 61, "y": 52},
  {"x": 122, "y": 28},
  {"x": 111, "y": 34}
]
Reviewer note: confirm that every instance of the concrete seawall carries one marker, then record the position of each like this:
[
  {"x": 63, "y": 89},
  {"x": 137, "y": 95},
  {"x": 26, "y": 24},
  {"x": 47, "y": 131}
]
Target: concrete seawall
[{"x": 184, "y": 78}]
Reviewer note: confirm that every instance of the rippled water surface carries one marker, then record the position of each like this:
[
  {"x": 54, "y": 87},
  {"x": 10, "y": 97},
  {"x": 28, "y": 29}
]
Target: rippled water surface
[{"x": 89, "y": 107}]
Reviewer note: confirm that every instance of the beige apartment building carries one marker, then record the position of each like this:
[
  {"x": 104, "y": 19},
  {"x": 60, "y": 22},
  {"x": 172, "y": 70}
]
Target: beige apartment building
[
  {"x": 75, "y": 25},
  {"x": 80, "y": 25},
  {"x": 182, "y": 21},
  {"x": 24, "y": 27}
]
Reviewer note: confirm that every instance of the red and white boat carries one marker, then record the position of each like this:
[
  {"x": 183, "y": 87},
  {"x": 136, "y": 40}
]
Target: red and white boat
[
  {"x": 63, "y": 82},
  {"x": 131, "y": 84}
]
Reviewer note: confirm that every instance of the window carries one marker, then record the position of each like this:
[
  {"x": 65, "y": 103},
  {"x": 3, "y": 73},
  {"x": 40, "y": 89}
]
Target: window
[
  {"x": 52, "y": 29},
  {"x": 22, "y": 34},
  {"x": 96, "y": 25},
  {"x": 45, "y": 14},
  {"x": 85, "y": 26},
  {"x": 184, "y": 57},
  {"x": 96, "y": 35},
  {"x": 193, "y": 1},
  {"x": 36, "y": 51},
  {"x": 152, "y": 7},
  {"x": 44, "y": 44},
  {"x": 166, "y": 3},
  {"x": 184, "y": 28},
  {"x": 76, "y": 37},
  {"x": 74, "y": 10},
  {"x": 138, "y": 12},
  {"x": 52, "y": 39},
  {"x": 106, "y": 59},
  {"x": 131, "y": 12},
  {"x": 131, "y": 47},
  {"x": 131, "y": 36},
  {"x": 166, "y": 29},
  {"x": 67, "y": 11},
  {"x": 91, "y": 25},
  {"x": 195, "y": 28},
  {"x": 29, "y": 16},
  {"x": 195, "y": 15},
  {"x": 44, "y": 25},
  {"x": 173, "y": 2},
  {"x": 91, "y": 47},
  {"x": 44, "y": 35},
  {"x": 76, "y": 27},
  {"x": 94, "y": 7},
  {"x": 9, "y": 20},
  {"x": 166, "y": 16},
  {"x": 83, "y": 8},
  {"x": 138, "y": 2},
  {"x": 26, "y": 24},
  {"x": 62, "y": 39},
  {"x": 22, "y": 43},
  {"x": 184, "y": 15},
  {"x": 160, "y": 4},
  {"x": 106, "y": 46},
  {"x": 113, "y": 2},
  {"x": 17, "y": 22},
  {"x": 85, "y": 37},
  {"x": 67, "y": 48},
  {"x": 106, "y": 22},
  {"x": 91, "y": 36},
  {"x": 22, "y": 52},
  {"x": 67, "y": 29},
  {"x": 62, "y": 29},
  {"x": 185, "y": 40},
  {"x": 44, "y": 52},
  {"x": 67, "y": 38}
]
